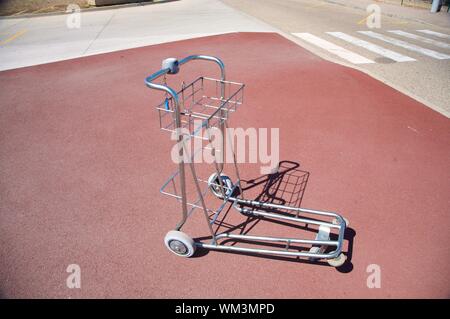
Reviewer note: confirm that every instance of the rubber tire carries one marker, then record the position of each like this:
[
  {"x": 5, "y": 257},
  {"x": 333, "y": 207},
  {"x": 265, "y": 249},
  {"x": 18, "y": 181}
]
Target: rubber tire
[
  {"x": 338, "y": 261},
  {"x": 225, "y": 180},
  {"x": 179, "y": 236}
]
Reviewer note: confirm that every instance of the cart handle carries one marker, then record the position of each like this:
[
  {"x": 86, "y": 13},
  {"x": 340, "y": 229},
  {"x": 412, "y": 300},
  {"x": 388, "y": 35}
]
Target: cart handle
[{"x": 171, "y": 66}]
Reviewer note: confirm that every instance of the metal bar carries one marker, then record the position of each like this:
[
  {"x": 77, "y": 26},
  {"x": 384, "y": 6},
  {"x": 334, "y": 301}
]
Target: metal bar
[
  {"x": 280, "y": 239},
  {"x": 294, "y": 219},
  {"x": 241, "y": 194},
  {"x": 331, "y": 255},
  {"x": 217, "y": 167},
  {"x": 200, "y": 194},
  {"x": 227, "y": 81},
  {"x": 225, "y": 202},
  {"x": 270, "y": 205},
  {"x": 148, "y": 82},
  {"x": 206, "y": 58},
  {"x": 217, "y": 212}
]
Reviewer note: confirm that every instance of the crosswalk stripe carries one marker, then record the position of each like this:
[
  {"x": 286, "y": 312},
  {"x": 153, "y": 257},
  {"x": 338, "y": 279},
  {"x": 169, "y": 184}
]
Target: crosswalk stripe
[
  {"x": 436, "y": 34},
  {"x": 332, "y": 48},
  {"x": 372, "y": 47},
  {"x": 420, "y": 38},
  {"x": 406, "y": 45}
]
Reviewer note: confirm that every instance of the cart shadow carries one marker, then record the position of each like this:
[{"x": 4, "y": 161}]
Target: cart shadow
[{"x": 286, "y": 187}]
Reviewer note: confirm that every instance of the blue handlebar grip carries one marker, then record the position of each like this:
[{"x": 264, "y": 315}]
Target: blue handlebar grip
[{"x": 166, "y": 104}]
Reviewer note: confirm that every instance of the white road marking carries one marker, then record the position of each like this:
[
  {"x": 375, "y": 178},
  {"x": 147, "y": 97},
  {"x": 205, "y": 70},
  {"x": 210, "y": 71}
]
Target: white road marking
[
  {"x": 372, "y": 47},
  {"x": 420, "y": 38},
  {"x": 332, "y": 48},
  {"x": 406, "y": 45},
  {"x": 436, "y": 34}
]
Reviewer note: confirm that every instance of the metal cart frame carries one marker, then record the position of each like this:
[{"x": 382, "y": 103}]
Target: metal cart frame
[{"x": 180, "y": 109}]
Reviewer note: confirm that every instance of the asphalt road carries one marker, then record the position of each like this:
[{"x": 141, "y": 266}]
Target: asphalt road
[{"x": 426, "y": 79}]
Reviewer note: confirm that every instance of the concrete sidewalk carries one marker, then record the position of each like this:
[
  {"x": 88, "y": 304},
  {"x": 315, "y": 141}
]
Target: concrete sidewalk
[{"x": 43, "y": 39}]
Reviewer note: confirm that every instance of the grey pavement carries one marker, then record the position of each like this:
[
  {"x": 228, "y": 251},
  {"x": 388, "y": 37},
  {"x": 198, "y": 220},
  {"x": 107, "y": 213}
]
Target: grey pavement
[
  {"x": 424, "y": 78},
  {"x": 46, "y": 38}
]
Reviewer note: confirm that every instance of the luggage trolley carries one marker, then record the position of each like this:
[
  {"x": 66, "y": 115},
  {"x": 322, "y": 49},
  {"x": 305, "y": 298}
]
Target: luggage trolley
[{"x": 194, "y": 110}]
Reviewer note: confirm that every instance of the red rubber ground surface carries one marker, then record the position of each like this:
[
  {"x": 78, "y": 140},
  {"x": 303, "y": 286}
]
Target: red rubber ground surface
[{"x": 82, "y": 160}]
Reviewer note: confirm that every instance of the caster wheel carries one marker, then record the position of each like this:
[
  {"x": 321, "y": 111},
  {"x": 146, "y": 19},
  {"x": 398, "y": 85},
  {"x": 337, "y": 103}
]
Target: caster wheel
[
  {"x": 179, "y": 243},
  {"x": 316, "y": 250},
  {"x": 335, "y": 221},
  {"x": 338, "y": 261},
  {"x": 214, "y": 185}
]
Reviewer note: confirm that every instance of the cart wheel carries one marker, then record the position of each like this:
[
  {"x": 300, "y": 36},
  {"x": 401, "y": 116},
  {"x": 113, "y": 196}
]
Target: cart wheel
[
  {"x": 335, "y": 221},
  {"x": 338, "y": 261},
  {"x": 179, "y": 243},
  {"x": 214, "y": 184}
]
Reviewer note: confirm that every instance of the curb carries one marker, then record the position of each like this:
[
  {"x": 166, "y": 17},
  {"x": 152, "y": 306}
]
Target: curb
[{"x": 90, "y": 9}]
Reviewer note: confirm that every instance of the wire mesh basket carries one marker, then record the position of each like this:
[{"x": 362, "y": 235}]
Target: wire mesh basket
[{"x": 205, "y": 102}]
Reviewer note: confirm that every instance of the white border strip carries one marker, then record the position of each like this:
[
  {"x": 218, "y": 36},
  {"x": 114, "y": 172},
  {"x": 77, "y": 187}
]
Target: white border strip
[
  {"x": 372, "y": 47},
  {"x": 332, "y": 48},
  {"x": 436, "y": 34},
  {"x": 420, "y": 38},
  {"x": 406, "y": 45}
]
